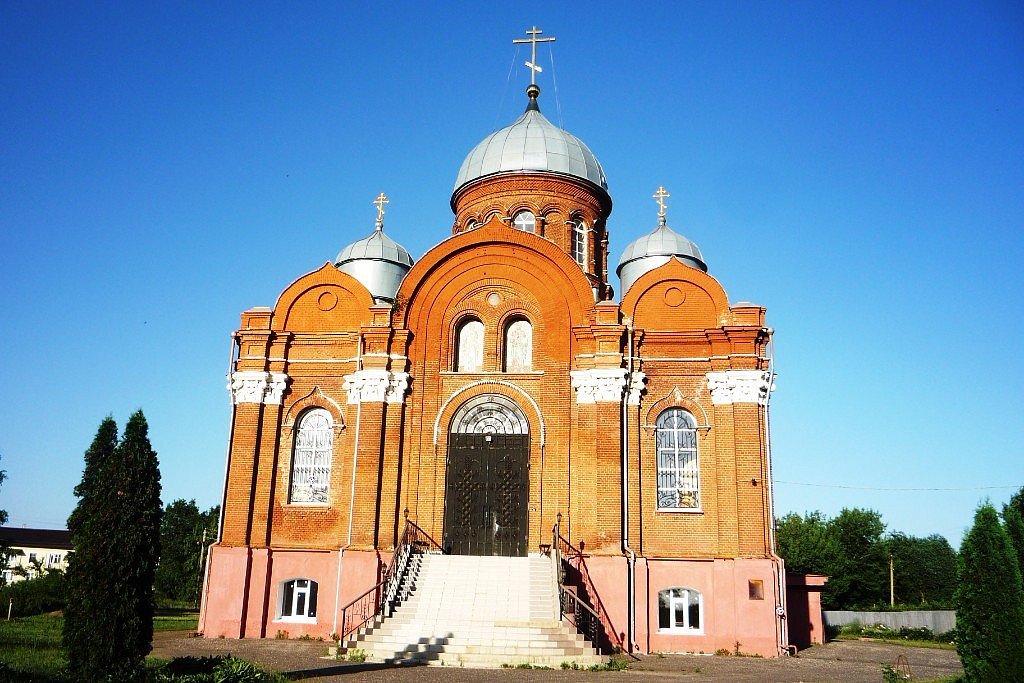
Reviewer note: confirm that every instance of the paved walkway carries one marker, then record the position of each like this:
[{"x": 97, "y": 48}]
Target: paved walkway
[{"x": 846, "y": 661}]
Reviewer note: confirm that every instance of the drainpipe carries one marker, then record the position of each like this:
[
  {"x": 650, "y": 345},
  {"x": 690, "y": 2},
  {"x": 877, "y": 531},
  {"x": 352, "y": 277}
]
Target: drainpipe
[
  {"x": 780, "y": 563},
  {"x": 631, "y": 563},
  {"x": 352, "y": 494}
]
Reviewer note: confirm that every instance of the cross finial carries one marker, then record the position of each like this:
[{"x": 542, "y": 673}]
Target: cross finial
[
  {"x": 533, "y": 40},
  {"x": 379, "y": 202},
  {"x": 660, "y": 196}
]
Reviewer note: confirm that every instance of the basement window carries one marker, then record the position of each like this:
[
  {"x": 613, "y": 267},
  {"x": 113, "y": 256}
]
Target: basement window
[
  {"x": 298, "y": 601},
  {"x": 681, "y": 610}
]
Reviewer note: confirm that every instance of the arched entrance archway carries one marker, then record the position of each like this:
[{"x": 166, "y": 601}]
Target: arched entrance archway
[{"x": 487, "y": 487}]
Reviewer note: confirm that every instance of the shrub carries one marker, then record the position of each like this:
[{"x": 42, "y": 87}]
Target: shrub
[{"x": 45, "y": 593}]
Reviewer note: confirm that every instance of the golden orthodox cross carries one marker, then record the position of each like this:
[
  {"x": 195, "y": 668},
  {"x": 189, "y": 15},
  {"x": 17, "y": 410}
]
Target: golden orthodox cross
[
  {"x": 660, "y": 195},
  {"x": 533, "y": 40},
  {"x": 379, "y": 202}
]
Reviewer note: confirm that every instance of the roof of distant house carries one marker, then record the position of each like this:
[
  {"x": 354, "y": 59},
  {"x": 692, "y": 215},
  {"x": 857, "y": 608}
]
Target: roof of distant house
[{"x": 58, "y": 539}]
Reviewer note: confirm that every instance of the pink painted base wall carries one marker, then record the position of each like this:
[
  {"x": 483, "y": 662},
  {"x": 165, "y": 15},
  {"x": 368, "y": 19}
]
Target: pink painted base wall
[
  {"x": 243, "y": 594},
  {"x": 730, "y": 616}
]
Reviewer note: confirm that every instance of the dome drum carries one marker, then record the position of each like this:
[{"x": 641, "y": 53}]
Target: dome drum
[{"x": 378, "y": 263}]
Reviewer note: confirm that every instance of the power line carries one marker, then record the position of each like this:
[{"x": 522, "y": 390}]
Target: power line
[{"x": 898, "y": 488}]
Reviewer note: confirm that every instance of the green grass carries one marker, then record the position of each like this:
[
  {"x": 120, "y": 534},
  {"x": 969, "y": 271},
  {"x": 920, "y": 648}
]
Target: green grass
[{"x": 30, "y": 647}]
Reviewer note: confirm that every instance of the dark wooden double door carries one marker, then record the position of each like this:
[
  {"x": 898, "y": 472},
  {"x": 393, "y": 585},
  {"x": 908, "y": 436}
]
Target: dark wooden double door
[{"x": 486, "y": 494}]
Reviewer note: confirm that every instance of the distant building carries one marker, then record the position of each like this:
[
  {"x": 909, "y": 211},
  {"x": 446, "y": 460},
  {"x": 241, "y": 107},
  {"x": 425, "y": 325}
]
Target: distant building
[
  {"x": 34, "y": 549},
  {"x": 494, "y": 388}
]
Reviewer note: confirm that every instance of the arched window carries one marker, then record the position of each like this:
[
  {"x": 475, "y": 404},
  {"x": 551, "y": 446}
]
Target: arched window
[
  {"x": 470, "y": 352},
  {"x": 525, "y": 221},
  {"x": 472, "y": 224},
  {"x": 579, "y": 242},
  {"x": 298, "y": 600},
  {"x": 680, "y": 610},
  {"x": 518, "y": 346},
  {"x": 311, "y": 461},
  {"x": 678, "y": 467}
]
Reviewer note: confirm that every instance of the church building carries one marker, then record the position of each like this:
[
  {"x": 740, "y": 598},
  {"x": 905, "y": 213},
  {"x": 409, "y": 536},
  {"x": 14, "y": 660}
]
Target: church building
[{"x": 496, "y": 398}]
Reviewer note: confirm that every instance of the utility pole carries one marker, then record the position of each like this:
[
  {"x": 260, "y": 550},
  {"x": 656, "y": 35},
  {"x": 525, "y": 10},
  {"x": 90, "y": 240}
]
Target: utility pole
[
  {"x": 202, "y": 556},
  {"x": 892, "y": 587}
]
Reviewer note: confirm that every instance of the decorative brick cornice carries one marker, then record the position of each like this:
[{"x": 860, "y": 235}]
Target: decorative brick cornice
[
  {"x": 256, "y": 386},
  {"x": 739, "y": 386},
  {"x": 367, "y": 386},
  {"x": 599, "y": 385}
]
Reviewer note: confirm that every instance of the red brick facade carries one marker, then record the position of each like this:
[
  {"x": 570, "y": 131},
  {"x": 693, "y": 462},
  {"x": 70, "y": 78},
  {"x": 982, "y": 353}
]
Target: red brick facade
[{"x": 586, "y": 415}]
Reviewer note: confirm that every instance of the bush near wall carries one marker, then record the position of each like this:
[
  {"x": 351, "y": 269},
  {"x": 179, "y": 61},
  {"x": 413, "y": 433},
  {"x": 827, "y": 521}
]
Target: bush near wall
[{"x": 45, "y": 593}]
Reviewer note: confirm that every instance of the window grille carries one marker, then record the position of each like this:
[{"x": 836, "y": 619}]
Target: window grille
[
  {"x": 311, "y": 462},
  {"x": 680, "y": 609},
  {"x": 678, "y": 467}
]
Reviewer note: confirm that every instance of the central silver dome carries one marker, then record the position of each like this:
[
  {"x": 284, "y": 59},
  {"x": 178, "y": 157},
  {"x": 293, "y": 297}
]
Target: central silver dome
[{"x": 532, "y": 143}]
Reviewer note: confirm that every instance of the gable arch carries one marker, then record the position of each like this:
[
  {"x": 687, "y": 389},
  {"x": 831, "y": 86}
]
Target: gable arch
[
  {"x": 324, "y": 299},
  {"x": 678, "y": 297}
]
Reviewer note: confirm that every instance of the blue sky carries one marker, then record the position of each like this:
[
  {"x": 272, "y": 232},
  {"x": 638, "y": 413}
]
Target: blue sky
[{"x": 857, "y": 168}]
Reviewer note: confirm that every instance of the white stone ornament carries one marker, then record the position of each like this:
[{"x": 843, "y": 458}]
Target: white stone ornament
[
  {"x": 739, "y": 386},
  {"x": 256, "y": 386},
  {"x": 636, "y": 387},
  {"x": 599, "y": 385},
  {"x": 368, "y": 386}
]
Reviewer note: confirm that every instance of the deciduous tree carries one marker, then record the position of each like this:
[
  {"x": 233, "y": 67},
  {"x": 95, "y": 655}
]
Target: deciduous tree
[
  {"x": 989, "y": 603},
  {"x": 182, "y": 533},
  {"x": 924, "y": 569}
]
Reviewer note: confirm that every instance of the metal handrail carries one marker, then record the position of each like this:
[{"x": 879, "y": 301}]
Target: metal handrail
[
  {"x": 568, "y": 553},
  {"x": 357, "y": 612},
  {"x": 582, "y": 616}
]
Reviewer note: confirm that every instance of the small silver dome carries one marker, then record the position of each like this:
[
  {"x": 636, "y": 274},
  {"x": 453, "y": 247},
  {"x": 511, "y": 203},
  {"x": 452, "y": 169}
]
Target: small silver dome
[
  {"x": 532, "y": 143},
  {"x": 378, "y": 262},
  {"x": 653, "y": 250}
]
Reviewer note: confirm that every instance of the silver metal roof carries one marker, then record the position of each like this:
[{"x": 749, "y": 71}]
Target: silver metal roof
[
  {"x": 532, "y": 143},
  {"x": 653, "y": 250},
  {"x": 378, "y": 262}
]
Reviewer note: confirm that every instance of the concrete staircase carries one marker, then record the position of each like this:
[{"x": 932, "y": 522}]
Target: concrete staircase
[{"x": 459, "y": 610}]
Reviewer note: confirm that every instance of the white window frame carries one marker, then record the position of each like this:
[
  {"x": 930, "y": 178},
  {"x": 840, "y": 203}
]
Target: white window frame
[
  {"x": 683, "y": 629},
  {"x": 677, "y": 461},
  {"x": 528, "y": 222},
  {"x": 578, "y": 240},
  {"x": 312, "y": 456},
  {"x": 304, "y": 595}
]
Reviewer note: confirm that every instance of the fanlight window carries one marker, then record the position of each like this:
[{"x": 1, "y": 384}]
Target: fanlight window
[
  {"x": 298, "y": 600},
  {"x": 470, "y": 352},
  {"x": 678, "y": 467},
  {"x": 525, "y": 221},
  {"x": 681, "y": 610},
  {"x": 579, "y": 242},
  {"x": 519, "y": 346},
  {"x": 311, "y": 462}
]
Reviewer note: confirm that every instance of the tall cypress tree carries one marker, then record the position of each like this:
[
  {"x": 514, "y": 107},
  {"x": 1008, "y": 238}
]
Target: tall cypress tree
[
  {"x": 989, "y": 603},
  {"x": 116, "y": 532},
  {"x": 1013, "y": 517},
  {"x": 88, "y": 582}
]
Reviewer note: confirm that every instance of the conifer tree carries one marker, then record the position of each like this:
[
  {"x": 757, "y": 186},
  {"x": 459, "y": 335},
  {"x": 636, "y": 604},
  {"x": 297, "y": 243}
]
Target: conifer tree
[
  {"x": 989, "y": 603},
  {"x": 88, "y": 584},
  {"x": 1013, "y": 517},
  {"x": 116, "y": 533}
]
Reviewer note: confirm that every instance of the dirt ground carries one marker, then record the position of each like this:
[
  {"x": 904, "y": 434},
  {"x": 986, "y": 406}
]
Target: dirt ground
[{"x": 846, "y": 661}]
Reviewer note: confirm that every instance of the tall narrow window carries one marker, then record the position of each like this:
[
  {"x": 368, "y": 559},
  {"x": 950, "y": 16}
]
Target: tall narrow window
[
  {"x": 311, "y": 462},
  {"x": 298, "y": 600},
  {"x": 678, "y": 470},
  {"x": 680, "y": 610},
  {"x": 579, "y": 242},
  {"x": 525, "y": 221},
  {"x": 470, "y": 353},
  {"x": 519, "y": 346}
]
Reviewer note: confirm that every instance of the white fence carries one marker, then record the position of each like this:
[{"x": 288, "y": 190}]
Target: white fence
[{"x": 938, "y": 620}]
